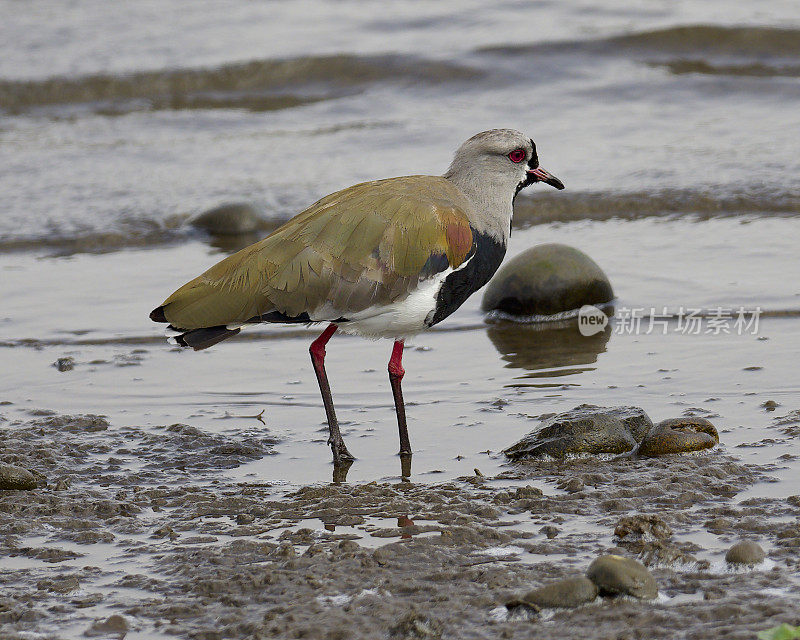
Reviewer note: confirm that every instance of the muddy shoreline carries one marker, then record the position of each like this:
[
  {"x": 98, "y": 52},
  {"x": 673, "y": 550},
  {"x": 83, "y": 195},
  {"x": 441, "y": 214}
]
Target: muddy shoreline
[{"x": 142, "y": 531}]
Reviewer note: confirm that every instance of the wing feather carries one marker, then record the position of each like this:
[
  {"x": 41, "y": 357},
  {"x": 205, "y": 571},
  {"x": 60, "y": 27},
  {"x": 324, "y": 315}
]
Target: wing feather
[{"x": 367, "y": 245}]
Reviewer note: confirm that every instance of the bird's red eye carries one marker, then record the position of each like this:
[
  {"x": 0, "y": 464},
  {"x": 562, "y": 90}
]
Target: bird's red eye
[{"x": 517, "y": 155}]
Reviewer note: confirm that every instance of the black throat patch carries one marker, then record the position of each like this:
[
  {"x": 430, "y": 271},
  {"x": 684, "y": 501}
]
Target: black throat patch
[{"x": 461, "y": 284}]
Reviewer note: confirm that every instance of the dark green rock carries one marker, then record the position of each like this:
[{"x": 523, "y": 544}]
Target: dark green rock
[
  {"x": 615, "y": 575},
  {"x": 679, "y": 435},
  {"x": 586, "y": 429},
  {"x": 565, "y": 594},
  {"x": 230, "y": 219},
  {"x": 546, "y": 280}
]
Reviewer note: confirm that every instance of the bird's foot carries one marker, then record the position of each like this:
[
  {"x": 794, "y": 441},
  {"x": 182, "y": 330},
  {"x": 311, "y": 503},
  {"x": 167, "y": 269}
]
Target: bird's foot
[
  {"x": 405, "y": 465},
  {"x": 341, "y": 455},
  {"x": 340, "y": 471}
]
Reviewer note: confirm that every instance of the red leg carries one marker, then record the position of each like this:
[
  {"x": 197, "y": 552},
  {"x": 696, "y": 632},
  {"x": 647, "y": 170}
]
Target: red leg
[
  {"x": 317, "y": 349},
  {"x": 396, "y": 373}
]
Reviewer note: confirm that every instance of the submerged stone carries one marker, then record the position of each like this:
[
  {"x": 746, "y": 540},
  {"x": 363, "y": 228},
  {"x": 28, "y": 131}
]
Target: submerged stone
[
  {"x": 234, "y": 218},
  {"x": 16, "y": 478},
  {"x": 586, "y": 429},
  {"x": 546, "y": 280},
  {"x": 615, "y": 575},
  {"x": 745, "y": 552},
  {"x": 679, "y": 435},
  {"x": 564, "y": 594}
]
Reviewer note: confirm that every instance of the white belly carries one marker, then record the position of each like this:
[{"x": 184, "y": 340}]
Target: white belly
[{"x": 398, "y": 320}]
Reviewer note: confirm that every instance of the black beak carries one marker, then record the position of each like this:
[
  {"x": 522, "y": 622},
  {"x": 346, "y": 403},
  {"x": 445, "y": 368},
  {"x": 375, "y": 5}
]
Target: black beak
[{"x": 540, "y": 175}]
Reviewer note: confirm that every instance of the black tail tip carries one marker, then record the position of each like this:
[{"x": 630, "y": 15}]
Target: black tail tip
[
  {"x": 157, "y": 315},
  {"x": 206, "y": 337},
  {"x": 181, "y": 342}
]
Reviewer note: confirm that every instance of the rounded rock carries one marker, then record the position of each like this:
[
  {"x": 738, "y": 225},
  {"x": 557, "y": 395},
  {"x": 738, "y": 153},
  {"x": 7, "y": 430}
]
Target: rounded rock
[
  {"x": 230, "y": 219},
  {"x": 564, "y": 594},
  {"x": 16, "y": 478},
  {"x": 679, "y": 435},
  {"x": 546, "y": 280},
  {"x": 745, "y": 552},
  {"x": 615, "y": 575}
]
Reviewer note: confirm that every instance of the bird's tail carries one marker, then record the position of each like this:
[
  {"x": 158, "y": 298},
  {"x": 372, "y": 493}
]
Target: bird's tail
[{"x": 197, "y": 339}]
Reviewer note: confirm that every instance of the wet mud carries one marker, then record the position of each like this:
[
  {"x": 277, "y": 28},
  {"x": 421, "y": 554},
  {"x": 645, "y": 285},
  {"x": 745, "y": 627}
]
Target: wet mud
[{"x": 140, "y": 533}]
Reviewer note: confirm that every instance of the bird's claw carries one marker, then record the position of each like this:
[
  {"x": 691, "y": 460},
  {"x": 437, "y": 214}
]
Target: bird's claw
[{"x": 341, "y": 455}]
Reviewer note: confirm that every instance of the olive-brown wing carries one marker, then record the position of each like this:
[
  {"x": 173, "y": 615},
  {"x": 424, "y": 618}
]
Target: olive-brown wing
[{"x": 368, "y": 245}]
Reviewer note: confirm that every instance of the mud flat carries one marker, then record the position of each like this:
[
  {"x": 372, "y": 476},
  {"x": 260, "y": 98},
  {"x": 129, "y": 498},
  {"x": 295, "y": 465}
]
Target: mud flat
[{"x": 143, "y": 534}]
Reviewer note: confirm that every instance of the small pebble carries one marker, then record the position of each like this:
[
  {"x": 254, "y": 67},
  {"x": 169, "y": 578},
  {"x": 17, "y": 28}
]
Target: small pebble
[
  {"x": 164, "y": 531},
  {"x": 65, "y": 364},
  {"x": 550, "y": 531},
  {"x": 573, "y": 485},
  {"x": 745, "y": 552}
]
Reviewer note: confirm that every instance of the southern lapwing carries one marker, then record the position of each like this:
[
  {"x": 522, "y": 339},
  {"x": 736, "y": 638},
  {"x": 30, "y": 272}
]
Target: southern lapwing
[{"x": 382, "y": 259}]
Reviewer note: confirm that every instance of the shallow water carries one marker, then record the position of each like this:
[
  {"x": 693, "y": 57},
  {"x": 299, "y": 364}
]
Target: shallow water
[
  {"x": 472, "y": 387},
  {"x": 672, "y": 125}
]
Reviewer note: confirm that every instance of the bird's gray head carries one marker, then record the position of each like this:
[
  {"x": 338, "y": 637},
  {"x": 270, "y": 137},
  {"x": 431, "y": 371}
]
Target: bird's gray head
[{"x": 501, "y": 160}]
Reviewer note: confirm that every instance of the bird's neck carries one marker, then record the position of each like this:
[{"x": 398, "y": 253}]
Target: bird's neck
[{"x": 493, "y": 205}]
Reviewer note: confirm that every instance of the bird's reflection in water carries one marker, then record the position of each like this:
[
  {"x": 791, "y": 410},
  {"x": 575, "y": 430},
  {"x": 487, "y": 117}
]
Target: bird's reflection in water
[
  {"x": 340, "y": 470},
  {"x": 402, "y": 523},
  {"x": 547, "y": 350}
]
